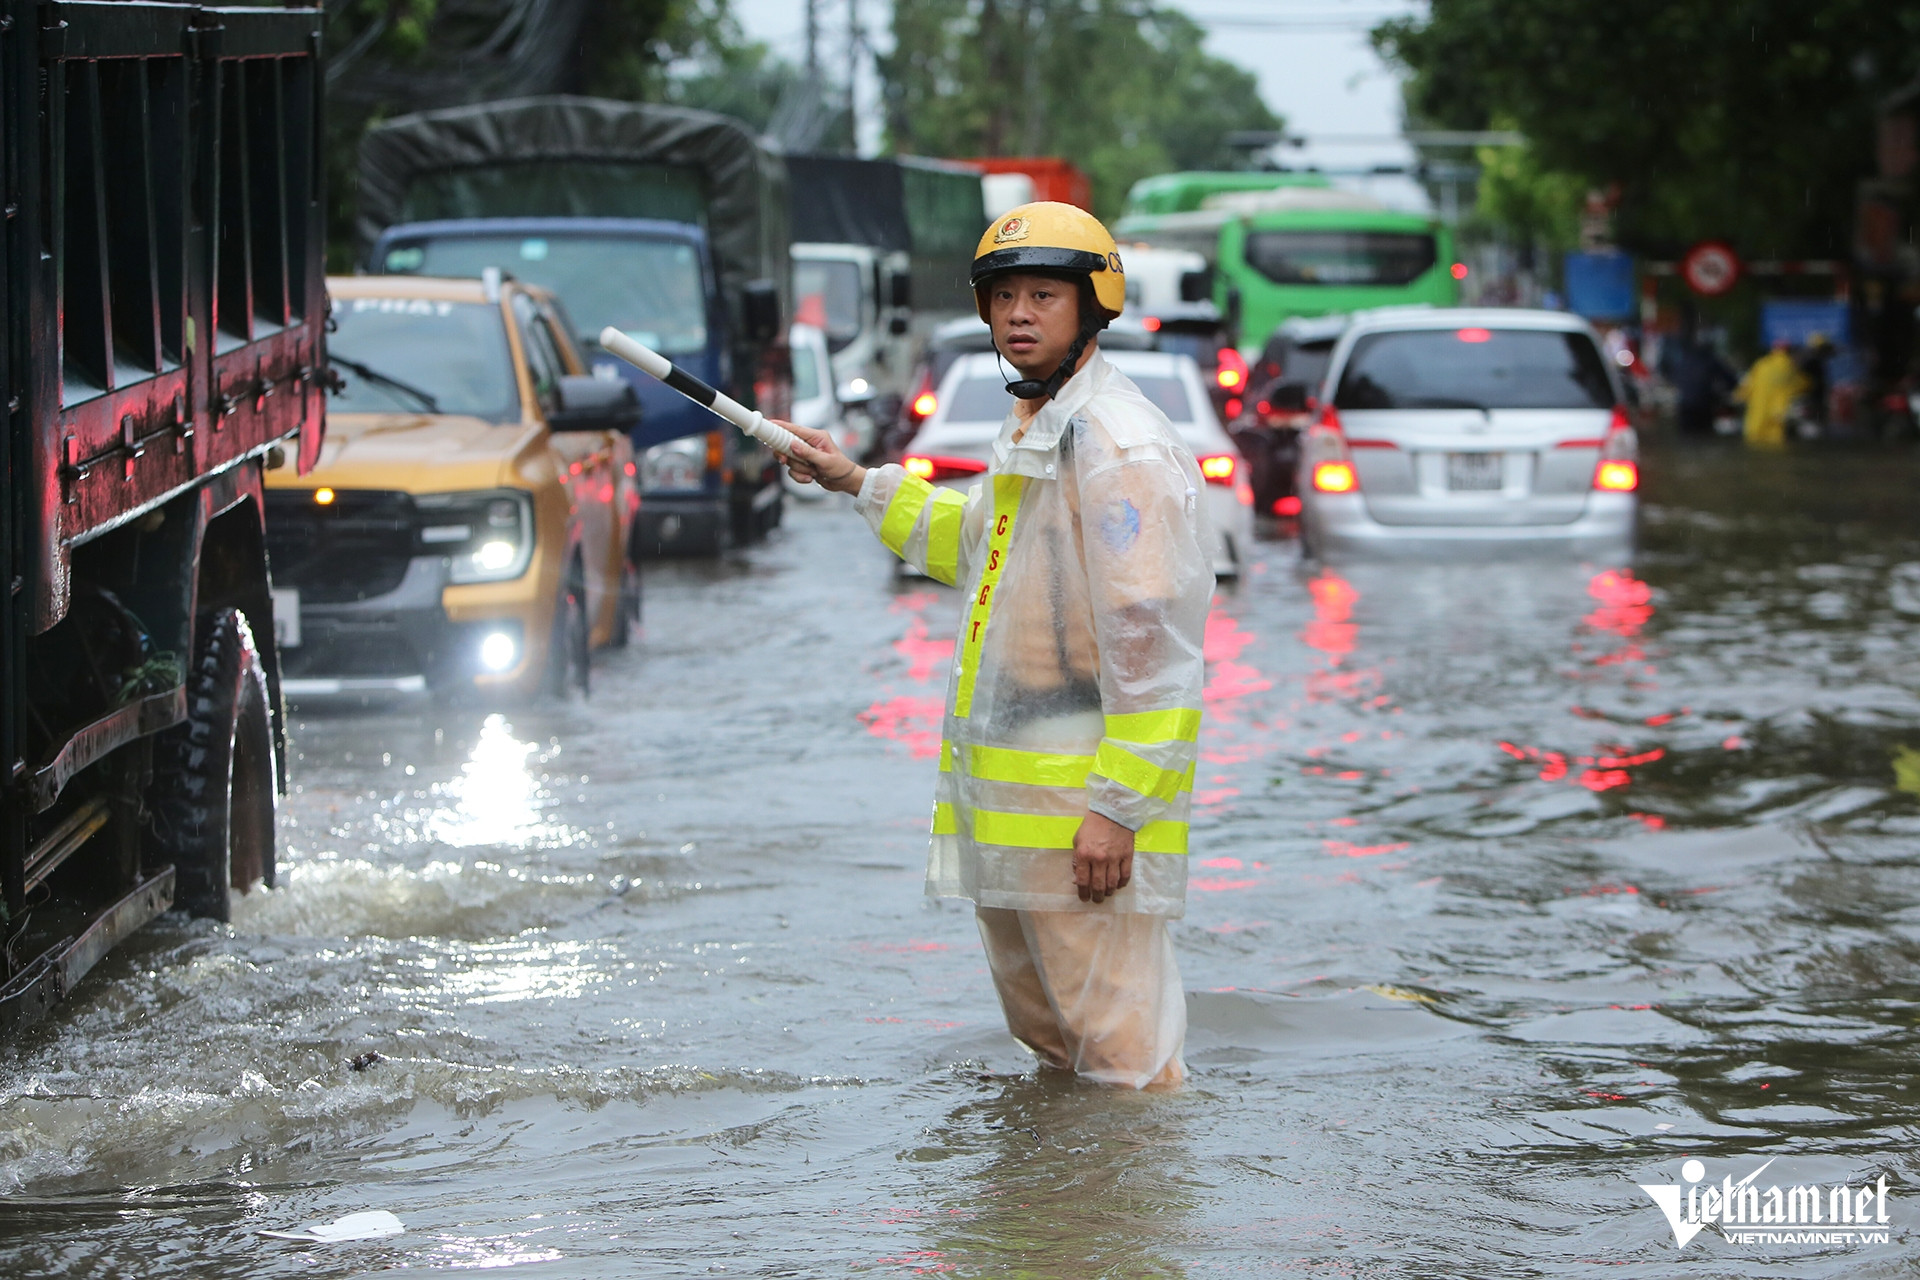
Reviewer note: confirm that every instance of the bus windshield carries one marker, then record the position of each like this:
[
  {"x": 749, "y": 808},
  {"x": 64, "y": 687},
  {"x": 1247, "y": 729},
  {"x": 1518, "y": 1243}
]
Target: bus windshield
[
  {"x": 1340, "y": 257},
  {"x": 649, "y": 289}
]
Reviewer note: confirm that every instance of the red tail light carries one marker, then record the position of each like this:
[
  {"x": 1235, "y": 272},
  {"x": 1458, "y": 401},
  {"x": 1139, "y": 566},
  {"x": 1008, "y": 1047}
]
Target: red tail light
[
  {"x": 1233, "y": 407},
  {"x": 1329, "y": 420},
  {"x": 1617, "y": 477},
  {"x": 923, "y": 406},
  {"x": 942, "y": 468},
  {"x": 1151, "y": 324},
  {"x": 1232, "y": 373},
  {"x": 1335, "y": 477},
  {"x": 1287, "y": 506},
  {"x": 1218, "y": 468},
  {"x": 1618, "y": 472}
]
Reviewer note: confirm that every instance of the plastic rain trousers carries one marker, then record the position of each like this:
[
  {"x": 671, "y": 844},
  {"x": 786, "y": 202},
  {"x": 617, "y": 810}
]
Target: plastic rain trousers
[
  {"x": 1077, "y": 670},
  {"x": 1096, "y": 994}
]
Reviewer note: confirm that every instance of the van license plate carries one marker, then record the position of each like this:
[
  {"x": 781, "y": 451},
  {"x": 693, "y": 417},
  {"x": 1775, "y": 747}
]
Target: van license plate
[
  {"x": 1473, "y": 471},
  {"x": 286, "y": 617}
]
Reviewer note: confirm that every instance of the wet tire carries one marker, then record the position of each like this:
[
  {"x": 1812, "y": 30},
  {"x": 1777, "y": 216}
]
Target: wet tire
[
  {"x": 570, "y": 655},
  {"x": 627, "y": 613},
  {"x": 213, "y": 795}
]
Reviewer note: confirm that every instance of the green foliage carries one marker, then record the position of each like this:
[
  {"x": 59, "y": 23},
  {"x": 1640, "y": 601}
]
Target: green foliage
[
  {"x": 1119, "y": 87},
  {"x": 1749, "y": 120},
  {"x": 1534, "y": 205}
]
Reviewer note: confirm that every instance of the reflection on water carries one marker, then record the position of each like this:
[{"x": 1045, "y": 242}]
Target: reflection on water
[
  {"x": 494, "y": 800},
  {"x": 1048, "y": 1175}
]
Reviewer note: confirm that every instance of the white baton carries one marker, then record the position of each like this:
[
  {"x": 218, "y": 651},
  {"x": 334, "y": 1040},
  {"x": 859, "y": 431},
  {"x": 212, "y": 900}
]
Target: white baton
[{"x": 647, "y": 360}]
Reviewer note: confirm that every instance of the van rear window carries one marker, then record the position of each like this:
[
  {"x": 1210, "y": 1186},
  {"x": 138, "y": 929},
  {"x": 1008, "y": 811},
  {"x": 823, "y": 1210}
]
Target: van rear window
[{"x": 1474, "y": 368}]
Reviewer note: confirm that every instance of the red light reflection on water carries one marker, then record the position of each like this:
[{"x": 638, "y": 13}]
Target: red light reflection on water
[
  {"x": 912, "y": 721},
  {"x": 1345, "y": 849},
  {"x": 1625, "y": 603},
  {"x": 922, "y": 654},
  {"x": 1228, "y": 679},
  {"x": 1332, "y": 630}
]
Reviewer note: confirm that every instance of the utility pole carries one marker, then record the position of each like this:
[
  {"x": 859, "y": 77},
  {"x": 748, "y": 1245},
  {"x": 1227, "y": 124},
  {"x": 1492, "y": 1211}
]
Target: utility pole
[
  {"x": 853, "y": 73},
  {"x": 813, "y": 42}
]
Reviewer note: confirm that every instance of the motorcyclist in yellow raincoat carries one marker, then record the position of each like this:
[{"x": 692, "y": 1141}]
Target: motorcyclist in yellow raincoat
[
  {"x": 1073, "y": 711},
  {"x": 1771, "y": 386}
]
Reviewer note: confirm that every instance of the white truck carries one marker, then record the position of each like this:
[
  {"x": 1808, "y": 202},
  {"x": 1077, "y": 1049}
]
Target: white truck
[{"x": 880, "y": 252}]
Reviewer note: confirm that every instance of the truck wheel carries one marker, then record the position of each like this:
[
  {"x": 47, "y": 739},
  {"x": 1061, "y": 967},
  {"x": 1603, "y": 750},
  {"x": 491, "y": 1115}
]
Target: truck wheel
[
  {"x": 213, "y": 791},
  {"x": 627, "y": 613},
  {"x": 570, "y": 654}
]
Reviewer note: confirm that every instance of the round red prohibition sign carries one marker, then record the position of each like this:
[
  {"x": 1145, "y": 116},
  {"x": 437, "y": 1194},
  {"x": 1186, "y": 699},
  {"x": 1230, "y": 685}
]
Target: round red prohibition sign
[{"x": 1710, "y": 268}]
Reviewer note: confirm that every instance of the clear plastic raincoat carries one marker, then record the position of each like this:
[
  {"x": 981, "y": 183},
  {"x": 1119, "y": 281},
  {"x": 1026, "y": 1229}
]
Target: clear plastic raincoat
[{"x": 1077, "y": 671}]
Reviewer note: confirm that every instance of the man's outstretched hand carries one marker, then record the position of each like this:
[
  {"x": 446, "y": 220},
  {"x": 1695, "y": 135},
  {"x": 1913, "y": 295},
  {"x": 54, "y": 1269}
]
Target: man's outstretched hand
[
  {"x": 1102, "y": 858},
  {"x": 815, "y": 460}
]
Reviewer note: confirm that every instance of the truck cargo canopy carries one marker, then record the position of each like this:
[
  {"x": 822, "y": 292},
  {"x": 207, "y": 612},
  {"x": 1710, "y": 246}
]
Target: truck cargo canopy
[{"x": 562, "y": 156}]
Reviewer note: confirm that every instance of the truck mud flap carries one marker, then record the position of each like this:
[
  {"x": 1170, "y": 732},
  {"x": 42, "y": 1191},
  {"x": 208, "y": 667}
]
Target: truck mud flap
[{"x": 59, "y": 969}]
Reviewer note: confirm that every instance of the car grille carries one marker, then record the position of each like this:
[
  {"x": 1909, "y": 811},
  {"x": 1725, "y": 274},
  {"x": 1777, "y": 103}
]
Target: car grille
[{"x": 352, "y": 548}]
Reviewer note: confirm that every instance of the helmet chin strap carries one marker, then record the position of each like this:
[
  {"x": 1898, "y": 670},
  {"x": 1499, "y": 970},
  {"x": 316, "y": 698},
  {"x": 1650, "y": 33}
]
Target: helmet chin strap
[{"x": 1047, "y": 388}]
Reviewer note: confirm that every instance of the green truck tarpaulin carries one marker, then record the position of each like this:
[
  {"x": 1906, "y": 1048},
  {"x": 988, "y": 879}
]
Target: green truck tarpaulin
[{"x": 563, "y": 156}]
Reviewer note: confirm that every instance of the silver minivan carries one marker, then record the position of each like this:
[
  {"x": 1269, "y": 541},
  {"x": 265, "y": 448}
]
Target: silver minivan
[{"x": 1446, "y": 428}]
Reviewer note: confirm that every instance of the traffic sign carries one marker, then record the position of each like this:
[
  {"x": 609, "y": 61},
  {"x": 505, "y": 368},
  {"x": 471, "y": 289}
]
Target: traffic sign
[{"x": 1710, "y": 268}]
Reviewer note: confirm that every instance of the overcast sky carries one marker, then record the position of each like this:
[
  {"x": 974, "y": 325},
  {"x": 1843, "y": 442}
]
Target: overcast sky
[{"x": 1312, "y": 58}]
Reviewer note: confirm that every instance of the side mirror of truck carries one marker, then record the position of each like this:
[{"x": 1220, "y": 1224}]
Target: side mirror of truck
[
  {"x": 588, "y": 403},
  {"x": 760, "y": 310},
  {"x": 900, "y": 290},
  {"x": 1196, "y": 286}
]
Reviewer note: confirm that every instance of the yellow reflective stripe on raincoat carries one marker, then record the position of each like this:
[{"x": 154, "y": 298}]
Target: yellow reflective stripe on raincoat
[
  {"x": 1056, "y": 831},
  {"x": 1143, "y": 776},
  {"x": 1035, "y": 768},
  {"x": 904, "y": 512},
  {"x": 944, "y": 823},
  {"x": 1181, "y": 724},
  {"x": 943, "y": 536},
  {"x": 1007, "y": 491}
]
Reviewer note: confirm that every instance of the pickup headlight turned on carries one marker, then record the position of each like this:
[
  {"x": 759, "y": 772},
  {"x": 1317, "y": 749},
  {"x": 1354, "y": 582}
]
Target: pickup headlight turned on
[
  {"x": 677, "y": 464},
  {"x": 487, "y": 535}
]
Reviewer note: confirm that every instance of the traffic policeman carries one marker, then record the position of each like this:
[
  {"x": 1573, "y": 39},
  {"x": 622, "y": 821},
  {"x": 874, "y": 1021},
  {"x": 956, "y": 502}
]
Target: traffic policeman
[{"x": 1073, "y": 709}]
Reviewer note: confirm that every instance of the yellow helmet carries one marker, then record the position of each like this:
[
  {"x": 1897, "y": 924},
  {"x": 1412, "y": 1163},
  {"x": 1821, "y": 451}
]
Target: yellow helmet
[{"x": 1050, "y": 236}]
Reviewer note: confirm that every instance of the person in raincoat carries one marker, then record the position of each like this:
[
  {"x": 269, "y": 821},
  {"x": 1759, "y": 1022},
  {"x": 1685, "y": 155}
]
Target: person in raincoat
[
  {"x": 1769, "y": 390},
  {"x": 1073, "y": 710}
]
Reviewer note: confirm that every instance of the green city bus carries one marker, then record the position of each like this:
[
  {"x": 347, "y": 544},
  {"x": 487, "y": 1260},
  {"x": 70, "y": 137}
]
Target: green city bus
[{"x": 1292, "y": 247}]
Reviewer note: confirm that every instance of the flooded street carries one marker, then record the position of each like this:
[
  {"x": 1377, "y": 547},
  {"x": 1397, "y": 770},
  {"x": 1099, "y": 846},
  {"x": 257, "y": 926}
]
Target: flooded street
[{"x": 1514, "y": 885}]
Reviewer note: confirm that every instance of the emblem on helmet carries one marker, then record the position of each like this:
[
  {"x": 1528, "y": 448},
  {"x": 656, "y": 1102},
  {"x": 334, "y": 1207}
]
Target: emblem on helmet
[
  {"x": 1113, "y": 261},
  {"x": 1012, "y": 229}
]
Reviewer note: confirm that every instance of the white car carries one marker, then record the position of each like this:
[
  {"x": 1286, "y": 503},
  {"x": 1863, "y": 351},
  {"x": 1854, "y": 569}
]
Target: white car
[
  {"x": 956, "y": 443},
  {"x": 1442, "y": 429},
  {"x": 817, "y": 404}
]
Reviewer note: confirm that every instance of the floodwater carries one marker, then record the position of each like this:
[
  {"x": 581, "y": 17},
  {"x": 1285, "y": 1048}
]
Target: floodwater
[{"x": 1515, "y": 885}]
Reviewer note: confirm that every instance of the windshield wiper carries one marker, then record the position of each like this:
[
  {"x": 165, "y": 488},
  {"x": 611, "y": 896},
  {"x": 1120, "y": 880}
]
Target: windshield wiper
[
  {"x": 1450, "y": 402},
  {"x": 426, "y": 398}
]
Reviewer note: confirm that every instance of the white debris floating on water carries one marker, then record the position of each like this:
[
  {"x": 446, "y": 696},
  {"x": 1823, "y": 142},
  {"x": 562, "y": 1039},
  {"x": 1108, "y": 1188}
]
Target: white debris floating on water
[{"x": 370, "y": 1225}]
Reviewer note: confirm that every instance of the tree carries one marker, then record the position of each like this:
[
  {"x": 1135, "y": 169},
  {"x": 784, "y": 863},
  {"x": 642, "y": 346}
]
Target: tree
[
  {"x": 1120, "y": 87},
  {"x": 1748, "y": 120}
]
